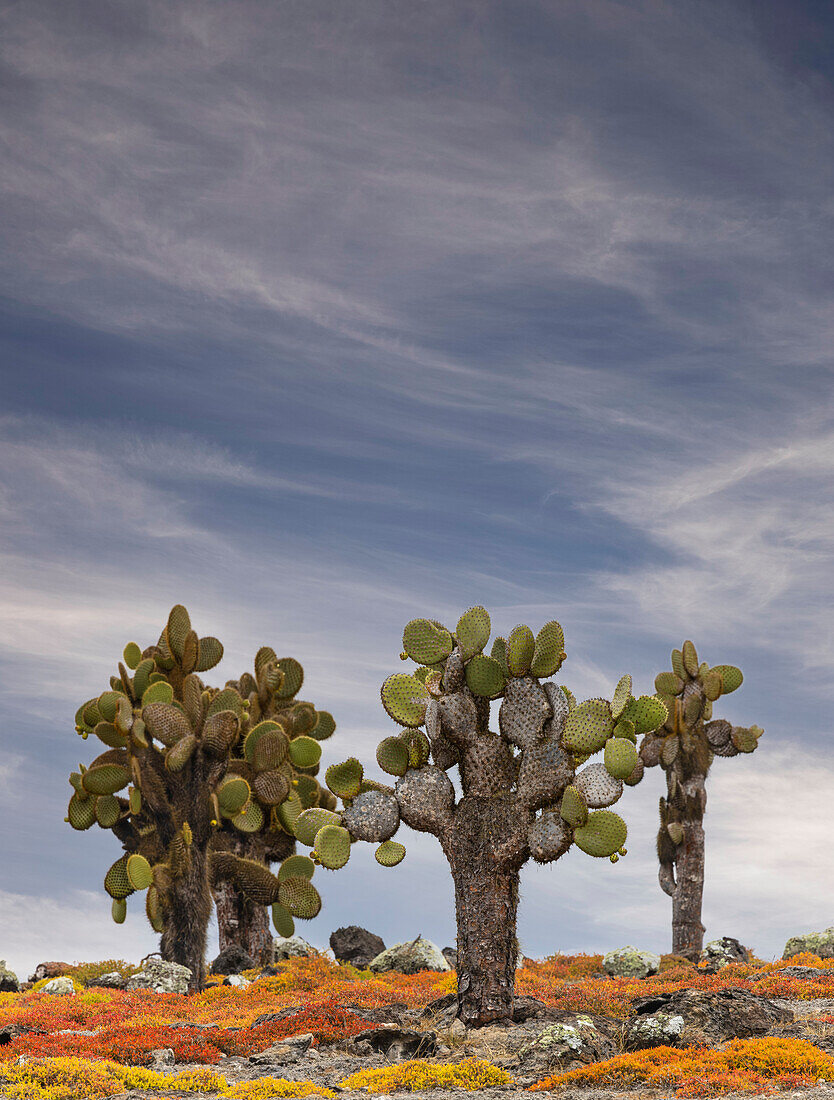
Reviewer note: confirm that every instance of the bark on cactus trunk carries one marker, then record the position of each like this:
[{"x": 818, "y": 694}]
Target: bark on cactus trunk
[
  {"x": 185, "y": 916},
  {"x": 687, "y": 899},
  {"x": 241, "y": 923}
]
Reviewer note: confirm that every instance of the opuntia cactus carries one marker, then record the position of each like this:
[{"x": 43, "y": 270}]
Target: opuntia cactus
[
  {"x": 206, "y": 766},
  {"x": 522, "y": 794},
  {"x": 685, "y": 747}
]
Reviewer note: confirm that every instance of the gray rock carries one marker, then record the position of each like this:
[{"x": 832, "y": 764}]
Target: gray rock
[
  {"x": 291, "y": 947},
  {"x": 59, "y": 985},
  {"x": 111, "y": 980},
  {"x": 397, "y": 1043},
  {"x": 659, "y": 1029},
  {"x": 629, "y": 962},
  {"x": 574, "y": 1040},
  {"x": 49, "y": 970},
  {"x": 724, "y": 951},
  {"x": 409, "y": 958},
  {"x": 355, "y": 945},
  {"x": 284, "y": 1051},
  {"x": 232, "y": 960},
  {"x": 9, "y": 982},
  {"x": 714, "y": 1016},
  {"x": 450, "y": 954},
  {"x": 237, "y": 980},
  {"x": 164, "y": 1056},
  {"x": 818, "y": 943},
  {"x": 161, "y": 977}
]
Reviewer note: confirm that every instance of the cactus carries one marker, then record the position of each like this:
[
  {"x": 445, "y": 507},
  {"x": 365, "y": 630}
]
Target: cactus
[
  {"x": 685, "y": 746},
  {"x": 212, "y": 792},
  {"x": 522, "y": 796}
]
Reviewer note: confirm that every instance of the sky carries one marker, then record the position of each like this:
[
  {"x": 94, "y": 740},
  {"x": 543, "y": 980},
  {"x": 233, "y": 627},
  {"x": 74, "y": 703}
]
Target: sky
[{"x": 319, "y": 317}]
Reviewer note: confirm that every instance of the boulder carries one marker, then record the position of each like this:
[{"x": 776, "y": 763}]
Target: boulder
[
  {"x": 9, "y": 982},
  {"x": 232, "y": 960},
  {"x": 450, "y": 954},
  {"x": 722, "y": 952},
  {"x": 818, "y": 943},
  {"x": 284, "y": 1051},
  {"x": 398, "y": 1044},
  {"x": 111, "y": 980},
  {"x": 714, "y": 1016},
  {"x": 161, "y": 977},
  {"x": 62, "y": 984},
  {"x": 538, "y": 1050},
  {"x": 658, "y": 1029},
  {"x": 291, "y": 947},
  {"x": 629, "y": 962},
  {"x": 409, "y": 958},
  {"x": 237, "y": 980},
  {"x": 355, "y": 945},
  {"x": 49, "y": 970}
]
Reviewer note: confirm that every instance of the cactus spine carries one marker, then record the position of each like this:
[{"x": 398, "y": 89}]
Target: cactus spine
[
  {"x": 685, "y": 747},
  {"x": 522, "y": 794}
]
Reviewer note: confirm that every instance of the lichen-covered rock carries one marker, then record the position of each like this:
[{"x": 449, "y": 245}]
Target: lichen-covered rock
[
  {"x": 9, "y": 982},
  {"x": 291, "y": 947},
  {"x": 713, "y": 1016},
  {"x": 724, "y": 951},
  {"x": 629, "y": 962},
  {"x": 237, "y": 980},
  {"x": 63, "y": 984},
  {"x": 111, "y": 980},
  {"x": 659, "y": 1029},
  {"x": 161, "y": 977},
  {"x": 409, "y": 958},
  {"x": 557, "y": 1046},
  {"x": 818, "y": 943}
]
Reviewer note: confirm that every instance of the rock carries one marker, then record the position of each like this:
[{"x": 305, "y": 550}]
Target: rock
[
  {"x": 269, "y": 1017},
  {"x": 355, "y": 945},
  {"x": 397, "y": 1043},
  {"x": 574, "y": 1040},
  {"x": 818, "y": 943},
  {"x": 232, "y": 960},
  {"x": 284, "y": 1051},
  {"x": 409, "y": 958},
  {"x": 63, "y": 984},
  {"x": 161, "y": 977},
  {"x": 49, "y": 970},
  {"x": 291, "y": 947},
  {"x": 111, "y": 980},
  {"x": 162, "y": 1057},
  {"x": 450, "y": 954},
  {"x": 724, "y": 951},
  {"x": 714, "y": 1016},
  {"x": 657, "y": 1030},
  {"x": 237, "y": 980},
  {"x": 809, "y": 973},
  {"x": 629, "y": 962},
  {"x": 9, "y": 982}
]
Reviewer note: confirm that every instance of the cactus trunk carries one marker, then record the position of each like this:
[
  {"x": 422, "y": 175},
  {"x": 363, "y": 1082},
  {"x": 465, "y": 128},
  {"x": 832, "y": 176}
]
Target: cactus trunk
[
  {"x": 687, "y": 929},
  {"x": 185, "y": 915},
  {"x": 242, "y": 923}
]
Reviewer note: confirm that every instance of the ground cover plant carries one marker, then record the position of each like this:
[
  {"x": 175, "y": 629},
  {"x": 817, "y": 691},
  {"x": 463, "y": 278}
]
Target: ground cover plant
[
  {"x": 685, "y": 747},
  {"x": 218, "y": 777},
  {"x": 522, "y": 795}
]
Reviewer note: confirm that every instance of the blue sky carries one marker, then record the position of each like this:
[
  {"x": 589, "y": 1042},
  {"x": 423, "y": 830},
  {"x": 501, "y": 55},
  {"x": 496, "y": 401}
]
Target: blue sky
[{"x": 318, "y": 317}]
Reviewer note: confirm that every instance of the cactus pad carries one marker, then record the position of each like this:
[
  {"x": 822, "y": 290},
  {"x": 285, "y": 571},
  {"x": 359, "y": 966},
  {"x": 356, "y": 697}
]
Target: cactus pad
[
  {"x": 745, "y": 740},
  {"x": 690, "y": 659},
  {"x": 392, "y": 756},
  {"x": 271, "y": 788},
  {"x": 588, "y": 727},
  {"x": 159, "y": 691},
  {"x": 620, "y": 757},
  {"x": 731, "y": 677},
  {"x": 132, "y": 655},
  {"x": 426, "y": 643},
  {"x": 524, "y": 710},
  {"x": 345, "y": 779},
  {"x": 484, "y": 676},
  {"x": 271, "y": 748},
  {"x": 324, "y": 727},
  {"x": 646, "y": 712},
  {"x": 81, "y": 813},
  {"x": 573, "y": 808},
  {"x": 390, "y": 853},
  {"x": 472, "y": 631},
  {"x": 232, "y": 794},
  {"x": 602, "y": 835},
  {"x": 256, "y": 733},
  {"x": 597, "y": 786},
  {"x": 549, "y": 837},
  {"x": 425, "y": 797},
  {"x": 418, "y": 746},
  {"x": 622, "y": 695},
  {"x": 118, "y": 910},
  {"x": 404, "y": 698},
  {"x": 116, "y": 882},
  {"x": 373, "y": 816},
  {"x": 299, "y": 897},
  {"x": 293, "y": 678},
  {"x": 521, "y": 646},
  {"x": 107, "y": 810},
  {"x": 105, "y": 779},
  {"x": 107, "y": 732},
  {"x": 309, "y": 822},
  {"x": 165, "y": 722},
  {"x": 549, "y": 650},
  {"x": 281, "y": 919},
  {"x": 332, "y": 847},
  {"x": 220, "y": 732},
  {"x": 209, "y": 654},
  {"x": 668, "y": 683},
  {"x": 301, "y": 866},
  {"x": 250, "y": 818},
  {"x": 139, "y": 872},
  {"x": 305, "y": 752},
  {"x": 178, "y": 756}
]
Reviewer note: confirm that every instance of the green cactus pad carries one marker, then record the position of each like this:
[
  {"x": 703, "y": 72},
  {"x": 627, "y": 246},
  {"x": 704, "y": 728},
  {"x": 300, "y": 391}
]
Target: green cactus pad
[
  {"x": 690, "y": 659},
  {"x": 108, "y": 811},
  {"x": 118, "y": 910},
  {"x": 293, "y": 678},
  {"x": 116, "y": 882},
  {"x": 178, "y": 756},
  {"x": 227, "y": 699},
  {"x": 105, "y": 779},
  {"x": 345, "y": 779},
  {"x": 571, "y": 698},
  {"x": 283, "y": 922},
  {"x": 646, "y": 712},
  {"x": 712, "y": 684},
  {"x": 177, "y": 630},
  {"x": 139, "y": 872},
  {"x": 625, "y": 728},
  {"x": 731, "y": 677},
  {"x": 472, "y": 631},
  {"x": 220, "y": 731},
  {"x": 256, "y": 881},
  {"x": 603, "y": 834},
  {"x": 677, "y": 665},
  {"x": 308, "y": 791},
  {"x": 135, "y": 800},
  {"x": 418, "y": 746},
  {"x": 132, "y": 655},
  {"x": 622, "y": 695},
  {"x": 165, "y": 722},
  {"x": 309, "y": 822},
  {"x": 271, "y": 750},
  {"x": 692, "y": 709},
  {"x": 574, "y": 808},
  {"x": 301, "y": 866},
  {"x": 390, "y": 853},
  {"x": 209, "y": 654},
  {"x": 256, "y": 733},
  {"x": 232, "y": 793},
  {"x": 302, "y": 718},
  {"x": 668, "y": 683},
  {"x": 289, "y": 811},
  {"x": 332, "y": 847},
  {"x": 159, "y": 692},
  {"x": 250, "y": 819},
  {"x": 426, "y": 643},
  {"x": 745, "y": 740},
  {"x": 549, "y": 650},
  {"x": 588, "y": 727},
  {"x": 499, "y": 654},
  {"x": 142, "y": 677},
  {"x": 300, "y": 898},
  {"x": 620, "y": 757},
  {"x": 521, "y": 646},
  {"x": 324, "y": 727},
  {"x": 485, "y": 676},
  {"x": 271, "y": 787},
  {"x": 392, "y": 756},
  {"x": 109, "y": 735},
  {"x": 81, "y": 813},
  {"x": 108, "y": 705},
  {"x": 405, "y": 698},
  {"x": 305, "y": 752}
]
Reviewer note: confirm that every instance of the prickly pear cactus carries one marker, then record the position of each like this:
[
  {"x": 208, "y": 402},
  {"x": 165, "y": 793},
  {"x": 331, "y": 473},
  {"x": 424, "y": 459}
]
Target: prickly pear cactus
[
  {"x": 213, "y": 782},
  {"x": 529, "y": 790},
  {"x": 685, "y": 746}
]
